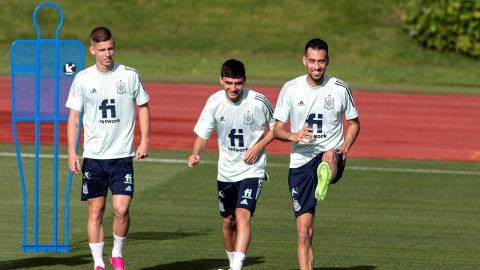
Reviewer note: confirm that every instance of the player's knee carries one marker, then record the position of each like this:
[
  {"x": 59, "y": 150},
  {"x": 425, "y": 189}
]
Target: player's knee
[
  {"x": 304, "y": 235},
  {"x": 121, "y": 212},
  {"x": 228, "y": 223},
  {"x": 330, "y": 156},
  {"x": 242, "y": 215},
  {"x": 95, "y": 216},
  {"x": 95, "y": 212}
]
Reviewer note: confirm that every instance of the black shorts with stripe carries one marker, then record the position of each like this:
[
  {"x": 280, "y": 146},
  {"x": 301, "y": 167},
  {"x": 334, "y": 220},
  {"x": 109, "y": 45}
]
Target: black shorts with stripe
[
  {"x": 99, "y": 175},
  {"x": 302, "y": 182}
]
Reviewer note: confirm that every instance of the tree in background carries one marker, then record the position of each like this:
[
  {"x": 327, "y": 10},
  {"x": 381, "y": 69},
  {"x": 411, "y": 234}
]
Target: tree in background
[{"x": 452, "y": 25}]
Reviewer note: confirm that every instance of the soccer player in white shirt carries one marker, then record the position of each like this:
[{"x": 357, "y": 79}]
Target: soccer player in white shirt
[
  {"x": 106, "y": 93},
  {"x": 243, "y": 121},
  {"x": 315, "y": 105}
]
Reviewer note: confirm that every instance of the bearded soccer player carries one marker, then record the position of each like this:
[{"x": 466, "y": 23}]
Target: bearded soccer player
[
  {"x": 106, "y": 94},
  {"x": 315, "y": 104},
  {"x": 242, "y": 119}
]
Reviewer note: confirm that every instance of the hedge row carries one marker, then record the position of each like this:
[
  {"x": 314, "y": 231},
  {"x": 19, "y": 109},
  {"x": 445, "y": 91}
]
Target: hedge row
[{"x": 445, "y": 24}]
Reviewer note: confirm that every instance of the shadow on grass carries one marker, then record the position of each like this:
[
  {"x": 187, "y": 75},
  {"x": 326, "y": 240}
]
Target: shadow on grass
[
  {"x": 149, "y": 235},
  {"x": 58, "y": 261},
  {"x": 202, "y": 264},
  {"x": 358, "y": 267},
  {"x": 45, "y": 261}
]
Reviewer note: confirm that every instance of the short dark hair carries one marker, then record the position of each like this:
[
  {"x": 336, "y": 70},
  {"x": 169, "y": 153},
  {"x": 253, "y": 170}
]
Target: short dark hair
[
  {"x": 316, "y": 44},
  {"x": 100, "y": 34},
  {"x": 233, "y": 68}
]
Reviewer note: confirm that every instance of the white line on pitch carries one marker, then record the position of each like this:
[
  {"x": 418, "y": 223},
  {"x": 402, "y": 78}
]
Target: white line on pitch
[{"x": 355, "y": 168}]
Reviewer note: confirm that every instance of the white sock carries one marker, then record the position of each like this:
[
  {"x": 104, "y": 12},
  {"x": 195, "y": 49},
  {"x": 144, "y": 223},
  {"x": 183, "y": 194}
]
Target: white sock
[
  {"x": 230, "y": 257},
  {"x": 118, "y": 242},
  {"x": 238, "y": 259},
  {"x": 97, "y": 254}
]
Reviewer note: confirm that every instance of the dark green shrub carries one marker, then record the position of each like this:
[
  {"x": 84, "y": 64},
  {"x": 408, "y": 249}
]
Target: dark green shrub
[{"x": 445, "y": 24}]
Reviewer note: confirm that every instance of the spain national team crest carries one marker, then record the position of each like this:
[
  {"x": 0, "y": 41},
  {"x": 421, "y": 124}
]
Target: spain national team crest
[
  {"x": 121, "y": 88},
  {"x": 248, "y": 118},
  {"x": 329, "y": 103}
]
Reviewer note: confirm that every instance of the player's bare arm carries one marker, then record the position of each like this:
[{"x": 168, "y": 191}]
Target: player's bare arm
[
  {"x": 72, "y": 131},
  {"x": 144, "y": 123},
  {"x": 303, "y": 135},
  {"x": 252, "y": 153},
  {"x": 350, "y": 136},
  {"x": 198, "y": 147}
]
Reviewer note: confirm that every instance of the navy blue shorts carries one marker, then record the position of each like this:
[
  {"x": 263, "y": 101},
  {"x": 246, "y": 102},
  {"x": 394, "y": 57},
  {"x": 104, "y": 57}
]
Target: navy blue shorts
[
  {"x": 101, "y": 174},
  {"x": 242, "y": 194},
  {"x": 302, "y": 182}
]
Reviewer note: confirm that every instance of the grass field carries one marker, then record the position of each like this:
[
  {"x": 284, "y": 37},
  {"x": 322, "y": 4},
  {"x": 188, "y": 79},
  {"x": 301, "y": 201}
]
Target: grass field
[
  {"x": 187, "y": 41},
  {"x": 384, "y": 214}
]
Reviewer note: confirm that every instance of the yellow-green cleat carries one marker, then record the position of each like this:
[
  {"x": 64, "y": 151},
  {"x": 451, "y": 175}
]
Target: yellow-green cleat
[{"x": 324, "y": 175}]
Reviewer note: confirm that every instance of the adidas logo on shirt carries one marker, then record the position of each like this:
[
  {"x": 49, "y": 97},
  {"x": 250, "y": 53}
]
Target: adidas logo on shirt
[
  {"x": 301, "y": 103},
  {"x": 94, "y": 91},
  {"x": 222, "y": 119}
]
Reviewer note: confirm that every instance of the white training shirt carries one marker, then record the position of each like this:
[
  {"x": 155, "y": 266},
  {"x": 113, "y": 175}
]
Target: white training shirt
[
  {"x": 107, "y": 101},
  {"x": 322, "y": 108},
  {"x": 238, "y": 126}
]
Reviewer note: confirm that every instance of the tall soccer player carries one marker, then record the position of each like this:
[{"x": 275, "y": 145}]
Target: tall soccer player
[
  {"x": 315, "y": 104},
  {"x": 242, "y": 119},
  {"x": 106, "y": 93}
]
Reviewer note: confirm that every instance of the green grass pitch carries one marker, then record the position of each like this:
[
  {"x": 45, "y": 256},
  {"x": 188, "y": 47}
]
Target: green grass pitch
[{"x": 384, "y": 214}]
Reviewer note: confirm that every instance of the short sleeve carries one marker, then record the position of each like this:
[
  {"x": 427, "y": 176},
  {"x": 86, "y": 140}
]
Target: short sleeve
[
  {"x": 282, "y": 109},
  {"x": 206, "y": 122},
  {"x": 141, "y": 95},
  {"x": 350, "y": 110},
  {"x": 75, "y": 96},
  {"x": 268, "y": 112}
]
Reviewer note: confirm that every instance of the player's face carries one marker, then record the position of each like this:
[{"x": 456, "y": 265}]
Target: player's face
[
  {"x": 316, "y": 62},
  {"x": 104, "y": 52},
  {"x": 233, "y": 87}
]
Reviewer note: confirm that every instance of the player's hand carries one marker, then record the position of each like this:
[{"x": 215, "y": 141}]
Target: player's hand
[
  {"x": 142, "y": 151},
  {"x": 74, "y": 163},
  {"x": 304, "y": 135},
  {"x": 251, "y": 155},
  {"x": 341, "y": 150},
  {"x": 193, "y": 160}
]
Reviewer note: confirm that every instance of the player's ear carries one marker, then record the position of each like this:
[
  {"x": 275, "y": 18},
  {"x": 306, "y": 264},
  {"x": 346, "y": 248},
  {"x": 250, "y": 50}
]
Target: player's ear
[
  {"x": 92, "y": 50},
  {"x": 304, "y": 60},
  {"x": 220, "y": 80}
]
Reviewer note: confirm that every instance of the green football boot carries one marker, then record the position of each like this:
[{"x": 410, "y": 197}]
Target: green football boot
[{"x": 324, "y": 175}]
